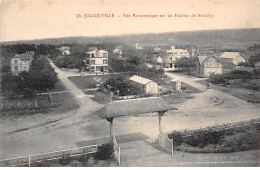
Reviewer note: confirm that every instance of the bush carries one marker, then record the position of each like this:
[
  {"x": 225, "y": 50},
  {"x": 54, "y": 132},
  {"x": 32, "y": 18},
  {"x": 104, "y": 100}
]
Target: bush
[
  {"x": 217, "y": 79},
  {"x": 104, "y": 152},
  {"x": 224, "y": 78},
  {"x": 84, "y": 158},
  {"x": 65, "y": 159},
  {"x": 242, "y": 141},
  {"x": 253, "y": 84},
  {"x": 240, "y": 138}
]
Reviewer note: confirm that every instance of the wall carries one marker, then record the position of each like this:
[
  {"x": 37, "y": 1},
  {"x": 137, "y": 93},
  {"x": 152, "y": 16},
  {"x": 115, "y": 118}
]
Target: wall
[
  {"x": 238, "y": 59},
  {"x": 151, "y": 88}
]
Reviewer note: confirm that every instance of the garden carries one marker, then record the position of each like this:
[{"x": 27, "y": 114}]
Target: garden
[{"x": 225, "y": 138}]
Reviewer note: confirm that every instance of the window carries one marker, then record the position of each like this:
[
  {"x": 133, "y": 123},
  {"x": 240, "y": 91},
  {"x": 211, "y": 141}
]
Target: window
[
  {"x": 216, "y": 63},
  {"x": 15, "y": 67},
  {"x": 92, "y": 69},
  {"x": 105, "y": 68},
  {"x": 98, "y": 68},
  {"x": 24, "y": 68},
  {"x": 105, "y": 61},
  {"x": 104, "y": 54},
  {"x": 92, "y": 55},
  {"x": 92, "y": 62},
  {"x": 209, "y": 63},
  {"x": 15, "y": 61}
]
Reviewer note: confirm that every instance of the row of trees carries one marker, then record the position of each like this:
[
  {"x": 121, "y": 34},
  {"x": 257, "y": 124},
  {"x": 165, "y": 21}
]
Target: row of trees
[
  {"x": 40, "y": 77},
  {"x": 251, "y": 61}
]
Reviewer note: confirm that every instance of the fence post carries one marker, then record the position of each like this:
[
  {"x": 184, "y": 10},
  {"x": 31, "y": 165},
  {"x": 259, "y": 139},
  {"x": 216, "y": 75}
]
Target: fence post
[
  {"x": 29, "y": 161},
  {"x": 159, "y": 140},
  {"x": 35, "y": 103},
  {"x": 172, "y": 146},
  {"x": 119, "y": 156}
]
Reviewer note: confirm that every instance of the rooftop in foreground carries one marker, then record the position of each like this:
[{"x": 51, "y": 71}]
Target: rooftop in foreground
[{"x": 134, "y": 107}]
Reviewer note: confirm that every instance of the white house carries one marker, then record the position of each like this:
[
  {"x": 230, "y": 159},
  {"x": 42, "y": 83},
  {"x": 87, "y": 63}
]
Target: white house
[
  {"x": 157, "y": 48},
  {"x": 118, "y": 51},
  {"x": 21, "y": 62},
  {"x": 65, "y": 50},
  {"x": 158, "y": 59},
  {"x": 233, "y": 57},
  {"x": 138, "y": 47},
  {"x": 208, "y": 65},
  {"x": 97, "y": 61},
  {"x": 174, "y": 54},
  {"x": 148, "y": 85}
]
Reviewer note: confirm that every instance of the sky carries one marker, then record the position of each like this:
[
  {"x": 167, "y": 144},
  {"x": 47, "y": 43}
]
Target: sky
[{"x": 37, "y": 19}]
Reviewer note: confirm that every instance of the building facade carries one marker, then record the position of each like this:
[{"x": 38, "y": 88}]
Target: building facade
[
  {"x": 21, "y": 62},
  {"x": 174, "y": 54},
  {"x": 208, "y": 65},
  {"x": 97, "y": 61},
  {"x": 65, "y": 50}
]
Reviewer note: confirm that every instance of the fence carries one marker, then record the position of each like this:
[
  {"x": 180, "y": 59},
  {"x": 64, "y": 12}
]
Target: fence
[
  {"x": 165, "y": 142},
  {"x": 116, "y": 150},
  {"x": 49, "y": 156}
]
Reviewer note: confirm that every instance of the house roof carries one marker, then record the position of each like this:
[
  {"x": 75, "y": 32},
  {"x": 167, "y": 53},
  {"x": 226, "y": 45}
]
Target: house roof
[
  {"x": 64, "y": 48},
  {"x": 24, "y": 56},
  {"x": 94, "y": 51},
  {"x": 177, "y": 50},
  {"x": 134, "y": 107},
  {"x": 257, "y": 64},
  {"x": 201, "y": 59},
  {"x": 140, "y": 80},
  {"x": 231, "y": 55}
]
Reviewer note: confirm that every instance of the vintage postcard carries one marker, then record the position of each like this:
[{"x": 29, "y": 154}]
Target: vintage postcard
[{"x": 118, "y": 83}]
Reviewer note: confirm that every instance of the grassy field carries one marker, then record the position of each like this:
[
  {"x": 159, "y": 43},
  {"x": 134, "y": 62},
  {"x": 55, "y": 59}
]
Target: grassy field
[
  {"x": 99, "y": 96},
  {"x": 62, "y": 102},
  {"x": 86, "y": 82},
  {"x": 241, "y": 93}
]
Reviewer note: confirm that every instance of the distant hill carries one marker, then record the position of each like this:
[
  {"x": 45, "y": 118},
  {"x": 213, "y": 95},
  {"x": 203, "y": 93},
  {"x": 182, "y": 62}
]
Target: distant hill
[{"x": 222, "y": 39}]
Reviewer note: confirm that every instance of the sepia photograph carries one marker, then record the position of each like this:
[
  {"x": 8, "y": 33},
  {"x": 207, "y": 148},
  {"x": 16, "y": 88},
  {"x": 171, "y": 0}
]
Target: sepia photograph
[{"x": 119, "y": 83}]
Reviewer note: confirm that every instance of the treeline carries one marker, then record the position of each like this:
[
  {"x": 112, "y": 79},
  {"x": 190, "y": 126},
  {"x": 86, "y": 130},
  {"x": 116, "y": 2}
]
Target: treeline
[{"x": 40, "y": 77}]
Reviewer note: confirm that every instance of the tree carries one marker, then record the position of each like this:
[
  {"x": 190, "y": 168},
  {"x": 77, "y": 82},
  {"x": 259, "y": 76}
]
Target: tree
[
  {"x": 43, "y": 75},
  {"x": 185, "y": 63},
  {"x": 253, "y": 59},
  {"x": 246, "y": 64}
]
